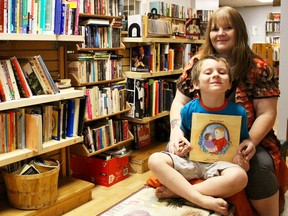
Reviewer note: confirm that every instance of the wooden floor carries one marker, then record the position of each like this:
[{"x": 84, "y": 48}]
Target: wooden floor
[{"x": 105, "y": 197}]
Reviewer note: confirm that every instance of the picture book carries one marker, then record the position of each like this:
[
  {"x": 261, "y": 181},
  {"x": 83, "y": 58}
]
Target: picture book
[
  {"x": 214, "y": 137},
  {"x": 140, "y": 58}
]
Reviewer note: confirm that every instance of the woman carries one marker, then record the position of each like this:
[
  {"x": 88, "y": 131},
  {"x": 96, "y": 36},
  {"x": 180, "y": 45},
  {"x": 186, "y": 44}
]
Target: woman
[{"x": 255, "y": 88}]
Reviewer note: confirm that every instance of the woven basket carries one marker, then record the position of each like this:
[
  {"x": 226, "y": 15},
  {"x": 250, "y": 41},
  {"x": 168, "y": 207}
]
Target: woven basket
[{"x": 32, "y": 191}]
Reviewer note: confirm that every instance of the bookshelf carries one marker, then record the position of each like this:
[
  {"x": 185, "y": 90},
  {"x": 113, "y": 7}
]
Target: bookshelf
[
  {"x": 272, "y": 29},
  {"x": 52, "y": 48},
  {"x": 101, "y": 84},
  {"x": 162, "y": 82}
]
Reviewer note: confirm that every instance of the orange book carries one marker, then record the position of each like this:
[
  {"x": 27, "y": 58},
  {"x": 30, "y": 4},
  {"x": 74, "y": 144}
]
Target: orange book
[{"x": 170, "y": 60}]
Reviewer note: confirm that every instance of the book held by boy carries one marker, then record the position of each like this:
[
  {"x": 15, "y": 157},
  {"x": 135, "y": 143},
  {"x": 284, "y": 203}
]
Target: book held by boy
[{"x": 214, "y": 137}]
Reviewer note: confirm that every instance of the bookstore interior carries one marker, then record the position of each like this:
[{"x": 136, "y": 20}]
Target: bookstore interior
[{"x": 86, "y": 88}]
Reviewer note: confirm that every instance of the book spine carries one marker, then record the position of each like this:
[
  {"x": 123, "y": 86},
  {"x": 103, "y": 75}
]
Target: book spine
[
  {"x": 47, "y": 74},
  {"x": 49, "y": 17},
  {"x": 8, "y": 79},
  {"x": 70, "y": 118},
  {"x": 57, "y": 17}
]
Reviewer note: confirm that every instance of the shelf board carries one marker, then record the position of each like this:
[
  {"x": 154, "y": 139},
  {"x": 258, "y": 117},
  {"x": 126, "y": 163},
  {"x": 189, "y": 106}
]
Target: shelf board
[
  {"x": 128, "y": 107},
  {"x": 72, "y": 193},
  {"x": 80, "y": 149},
  {"x": 41, "y": 37},
  {"x": 147, "y": 119},
  {"x": 87, "y": 15},
  {"x": 140, "y": 75},
  {"x": 160, "y": 40},
  {"x": 21, "y": 154},
  {"x": 40, "y": 99}
]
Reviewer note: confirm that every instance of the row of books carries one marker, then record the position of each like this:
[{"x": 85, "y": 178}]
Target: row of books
[
  {"x": 178, "y": 11},
  {"x": 25, "y": 77},
  {"x": 105, "y": 100},
  {"x": 102, "y": 7},
  {"x": 149, "y": 97},
  {"x": 39, "y": 17},
  {"x": 31, "y": 126},
  {"x": 105, "y": 133},
  {"x": 158, "y": 57},
  {"x": 100, "y": 33},
  {"x": 168, "y": 9},
  {"x": 97, "y": 67}
]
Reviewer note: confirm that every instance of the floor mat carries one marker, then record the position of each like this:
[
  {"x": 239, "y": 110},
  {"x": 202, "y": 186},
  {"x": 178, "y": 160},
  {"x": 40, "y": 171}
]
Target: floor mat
[{"x": 145, "y": 203}]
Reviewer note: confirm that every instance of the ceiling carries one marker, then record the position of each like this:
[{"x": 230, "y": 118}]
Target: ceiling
[{"x": 242, "y": 3}]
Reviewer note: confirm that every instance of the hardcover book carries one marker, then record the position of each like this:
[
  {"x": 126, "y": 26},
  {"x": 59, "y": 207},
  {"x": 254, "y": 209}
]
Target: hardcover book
[
  {"x": 140, "y": 58},
  {"x": 214, "y": 137}
]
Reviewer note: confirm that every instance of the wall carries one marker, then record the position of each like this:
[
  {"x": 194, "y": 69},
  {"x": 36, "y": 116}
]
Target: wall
[
  {"x": 283, "y": 100},
  {"x": 256, "y": 16}
]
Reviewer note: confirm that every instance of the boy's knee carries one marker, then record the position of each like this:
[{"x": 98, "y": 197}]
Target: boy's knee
[
  {"x": 154, "y": 160},
  {"x": 241, "y": 179}
]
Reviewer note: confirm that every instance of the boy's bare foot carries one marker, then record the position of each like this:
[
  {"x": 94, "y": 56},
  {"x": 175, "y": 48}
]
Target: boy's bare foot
[
  {"x": 216, "y": 204},
  {"x": 163, "y": 192}
]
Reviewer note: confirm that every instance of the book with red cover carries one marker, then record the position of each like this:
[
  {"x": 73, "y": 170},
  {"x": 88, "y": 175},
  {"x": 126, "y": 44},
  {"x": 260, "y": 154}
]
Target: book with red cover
[
  {"x": 142, "y": 135},
  {"x": 22, "y": 83}
]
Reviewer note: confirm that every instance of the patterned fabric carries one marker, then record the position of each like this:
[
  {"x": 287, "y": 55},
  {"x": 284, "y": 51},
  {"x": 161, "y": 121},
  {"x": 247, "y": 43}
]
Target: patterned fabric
[{"x": 257, "y": 84}]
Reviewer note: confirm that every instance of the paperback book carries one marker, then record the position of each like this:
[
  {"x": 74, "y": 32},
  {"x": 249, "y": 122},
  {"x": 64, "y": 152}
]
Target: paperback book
[{"x": 214, "y": 137}]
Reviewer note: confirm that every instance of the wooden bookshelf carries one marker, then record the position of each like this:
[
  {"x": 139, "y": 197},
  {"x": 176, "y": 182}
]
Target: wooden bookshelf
[
  {"x": 160, "y": 40},
  {"x": 80, "y": 149},
  {"x": 137, "y": 75},
  {"x": 148, "y": 119},
  {"x": 42, "y": 37}
]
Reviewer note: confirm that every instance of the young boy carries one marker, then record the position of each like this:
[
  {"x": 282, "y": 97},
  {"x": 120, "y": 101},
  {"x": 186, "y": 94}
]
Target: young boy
[{"x": 212, "y": 78}]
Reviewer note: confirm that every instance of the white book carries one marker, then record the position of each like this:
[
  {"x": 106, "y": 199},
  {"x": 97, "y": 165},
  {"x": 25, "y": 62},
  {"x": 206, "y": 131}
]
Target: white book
[
  {"x": 13, "y": 80},
  {"x": 76, "y": 116}
]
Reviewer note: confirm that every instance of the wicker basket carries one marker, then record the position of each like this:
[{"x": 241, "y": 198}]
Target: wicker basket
[{"x": 32, "y": 191}]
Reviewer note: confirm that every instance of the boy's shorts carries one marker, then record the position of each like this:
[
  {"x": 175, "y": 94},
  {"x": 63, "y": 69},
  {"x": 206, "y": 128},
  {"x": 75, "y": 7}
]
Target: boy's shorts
[{"x": 198, "y": 170}]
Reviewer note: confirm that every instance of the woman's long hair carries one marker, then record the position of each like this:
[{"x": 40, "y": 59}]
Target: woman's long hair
[{"x": 242, "y": 56}]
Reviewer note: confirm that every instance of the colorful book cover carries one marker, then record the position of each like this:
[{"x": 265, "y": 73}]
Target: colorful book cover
[
  {"x": 193, "y": 28},
  {"x": 214, "y": 137}
]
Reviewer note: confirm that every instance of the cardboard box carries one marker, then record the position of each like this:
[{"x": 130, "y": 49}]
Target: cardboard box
[{"x": 100, "y": 171}]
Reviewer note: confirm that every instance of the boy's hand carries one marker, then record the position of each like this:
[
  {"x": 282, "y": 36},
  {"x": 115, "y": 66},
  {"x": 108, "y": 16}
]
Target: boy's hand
[
  {"x": 178, "y": 144},
  {"x": 247, "y": 149}
]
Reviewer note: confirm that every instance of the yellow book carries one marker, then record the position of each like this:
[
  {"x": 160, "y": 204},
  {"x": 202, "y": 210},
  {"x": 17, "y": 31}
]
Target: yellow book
[{"x": 214, "y": 137}]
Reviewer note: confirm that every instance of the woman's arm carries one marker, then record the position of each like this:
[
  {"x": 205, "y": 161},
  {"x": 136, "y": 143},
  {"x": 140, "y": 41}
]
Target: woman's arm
[
  {"x": 266, "y": 112},
  {"x": 176, "y": 135}
]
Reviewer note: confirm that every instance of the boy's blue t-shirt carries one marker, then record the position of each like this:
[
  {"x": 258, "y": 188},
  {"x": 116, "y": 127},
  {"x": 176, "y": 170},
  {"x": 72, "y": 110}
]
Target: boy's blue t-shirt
[{"x": 195, "y": 106}]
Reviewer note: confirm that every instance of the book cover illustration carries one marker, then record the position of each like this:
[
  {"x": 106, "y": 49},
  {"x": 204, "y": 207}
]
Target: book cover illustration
[
  {"x": 193, "y": 28},
  {"x": 140, "y": 58},
  {"x": 214, "y": 137}
]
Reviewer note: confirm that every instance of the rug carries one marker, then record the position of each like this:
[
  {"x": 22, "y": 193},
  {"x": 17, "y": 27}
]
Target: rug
[{"x": 145, "y": 203}]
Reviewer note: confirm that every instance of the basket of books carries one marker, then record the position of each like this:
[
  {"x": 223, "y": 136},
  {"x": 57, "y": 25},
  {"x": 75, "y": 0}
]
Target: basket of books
[{"x": 34, "y": 185}]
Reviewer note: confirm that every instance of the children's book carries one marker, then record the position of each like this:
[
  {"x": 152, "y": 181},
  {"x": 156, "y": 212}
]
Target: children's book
[{"x": 214, "y": 137}]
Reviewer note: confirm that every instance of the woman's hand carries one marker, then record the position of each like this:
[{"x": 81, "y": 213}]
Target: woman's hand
[
  {"x": 247, "y": 149},
  {"x": 178, "y": 144}
]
